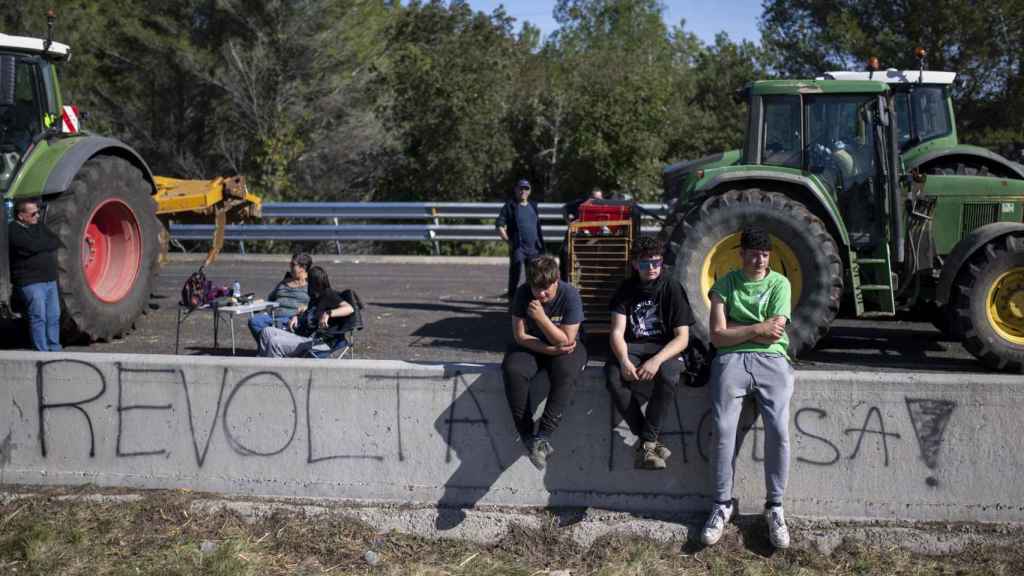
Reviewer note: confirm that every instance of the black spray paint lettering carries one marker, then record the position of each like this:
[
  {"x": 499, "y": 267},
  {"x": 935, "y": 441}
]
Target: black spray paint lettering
[
  {"x": 234, "y": 441},
  {"x": 122, "y": 409},
  {"x": 310, "y": 458},
  {"x": 864, "y": 430},
  {"x": 800, "y": 429},
  {"x": 451, "y": 421},
  {"x": 201, "y": 455},
  {"x": 929, "y": 418},
  {"x": 201, "y": 446},
  {"x": 44, "y": 406}
]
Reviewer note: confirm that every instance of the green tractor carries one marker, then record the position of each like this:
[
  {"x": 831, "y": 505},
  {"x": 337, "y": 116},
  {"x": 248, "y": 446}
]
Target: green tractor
[
  {"x": 927, "y": 136},
  {"x": 97, "y": 193},
  {"x": 824, "y": 169}
]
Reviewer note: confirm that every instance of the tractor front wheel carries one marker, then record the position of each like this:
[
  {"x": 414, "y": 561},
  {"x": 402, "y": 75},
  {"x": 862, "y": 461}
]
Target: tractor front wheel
[
  {"x": 707, "y": 247},
  {"x": 110, "y": 245},
  {"x": 989, "y": 304}
]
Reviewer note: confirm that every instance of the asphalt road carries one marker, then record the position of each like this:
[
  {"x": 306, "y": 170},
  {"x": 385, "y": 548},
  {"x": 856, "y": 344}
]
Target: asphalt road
[{"x": 432, "y": 311}]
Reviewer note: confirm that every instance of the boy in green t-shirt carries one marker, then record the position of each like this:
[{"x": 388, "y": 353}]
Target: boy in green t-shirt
[{"x": 749, "y": 311}]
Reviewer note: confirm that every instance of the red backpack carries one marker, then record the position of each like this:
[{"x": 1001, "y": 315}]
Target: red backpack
[{"x": 196, "y": 291}]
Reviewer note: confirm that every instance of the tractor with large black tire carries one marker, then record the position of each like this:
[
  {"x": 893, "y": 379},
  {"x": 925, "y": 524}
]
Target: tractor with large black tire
[
  {"x": 822, "y": 169},
  {"x": 97, "y": 194}
]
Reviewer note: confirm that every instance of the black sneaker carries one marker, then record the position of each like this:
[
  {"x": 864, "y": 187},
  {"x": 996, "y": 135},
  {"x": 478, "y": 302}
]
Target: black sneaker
[{"x": 540, "y": 449}]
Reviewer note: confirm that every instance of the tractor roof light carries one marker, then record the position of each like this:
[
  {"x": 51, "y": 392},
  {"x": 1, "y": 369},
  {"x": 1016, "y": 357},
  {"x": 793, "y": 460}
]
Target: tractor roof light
[
  {"x": 873, "y": 66},
  {"x": 920, "y": 54},
  {"x": 51, "y": 18}
]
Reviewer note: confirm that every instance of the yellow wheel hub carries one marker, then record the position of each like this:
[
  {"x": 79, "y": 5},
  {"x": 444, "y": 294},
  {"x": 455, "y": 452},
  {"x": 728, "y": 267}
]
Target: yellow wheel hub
[
  {"x": 1005, "y": 306},
  {"x": 724, "y": 257}
]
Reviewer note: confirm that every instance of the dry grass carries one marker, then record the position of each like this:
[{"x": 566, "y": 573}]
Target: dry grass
[{"x": 44, "y": 535}]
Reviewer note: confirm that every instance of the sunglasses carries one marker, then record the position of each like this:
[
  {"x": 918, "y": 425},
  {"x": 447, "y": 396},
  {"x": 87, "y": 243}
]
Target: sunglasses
[
  {"x": 31, "y": 214},
  {"x": 651, "y": 264}
]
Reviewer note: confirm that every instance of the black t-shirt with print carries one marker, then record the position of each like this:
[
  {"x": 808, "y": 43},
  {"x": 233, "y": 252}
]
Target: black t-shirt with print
[
  {"x": 565, "y": 308},
  {"x": 648, "y": 315}
]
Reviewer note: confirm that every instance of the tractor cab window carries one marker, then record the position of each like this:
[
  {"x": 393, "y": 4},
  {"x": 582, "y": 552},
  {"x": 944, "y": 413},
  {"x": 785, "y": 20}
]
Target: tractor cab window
[
  {"x": 841, "y": 152},
  {"x": 21, "y": 119},
  {"x": 922, "y": 114},
  {"x": 781, "y": 130}
]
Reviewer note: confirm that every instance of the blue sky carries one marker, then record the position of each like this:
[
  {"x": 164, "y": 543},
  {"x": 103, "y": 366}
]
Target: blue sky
[{"x": 703, "y": 17}]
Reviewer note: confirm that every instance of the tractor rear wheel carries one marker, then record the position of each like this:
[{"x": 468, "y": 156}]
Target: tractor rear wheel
[
  {"x": 109, "y": 233},
  {"x": 707, "y": 248},
  {"x": 989, "y": 304}
]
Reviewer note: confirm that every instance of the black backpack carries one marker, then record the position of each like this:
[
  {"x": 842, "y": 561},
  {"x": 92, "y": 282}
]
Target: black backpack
[
  {"x": 697, "y": 357},
  {"x": 196, "y": 291}
]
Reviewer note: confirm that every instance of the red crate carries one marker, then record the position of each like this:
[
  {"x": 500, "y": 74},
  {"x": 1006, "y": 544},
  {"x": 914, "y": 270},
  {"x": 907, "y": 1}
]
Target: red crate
[{"x": 603, "y": 211}]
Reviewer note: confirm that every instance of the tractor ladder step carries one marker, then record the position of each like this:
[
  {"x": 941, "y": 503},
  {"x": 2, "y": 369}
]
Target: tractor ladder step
[{"x": 873, "y": 287}]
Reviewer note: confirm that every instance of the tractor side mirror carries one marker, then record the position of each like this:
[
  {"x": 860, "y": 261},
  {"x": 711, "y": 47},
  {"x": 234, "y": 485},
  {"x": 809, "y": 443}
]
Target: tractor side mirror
[{"x": 7, "y": 64}]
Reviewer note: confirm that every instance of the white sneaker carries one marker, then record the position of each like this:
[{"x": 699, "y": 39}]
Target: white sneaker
[
  {"x": 715, "y": 525},
  {"x": 778, "y": 533}
]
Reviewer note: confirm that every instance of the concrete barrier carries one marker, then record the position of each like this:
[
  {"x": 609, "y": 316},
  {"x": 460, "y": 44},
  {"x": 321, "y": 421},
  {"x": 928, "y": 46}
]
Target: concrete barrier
[{"x": 912, "y": 446}]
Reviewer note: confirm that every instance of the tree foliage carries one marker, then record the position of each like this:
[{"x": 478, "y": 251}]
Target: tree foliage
[
  {"x": 979, "y": 40},
  {"x": 431, "y": 100}
]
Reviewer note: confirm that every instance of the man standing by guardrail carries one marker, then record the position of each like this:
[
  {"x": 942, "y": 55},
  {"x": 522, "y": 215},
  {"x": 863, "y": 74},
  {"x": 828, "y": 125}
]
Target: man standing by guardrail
[{"x": 518, "y": 224}]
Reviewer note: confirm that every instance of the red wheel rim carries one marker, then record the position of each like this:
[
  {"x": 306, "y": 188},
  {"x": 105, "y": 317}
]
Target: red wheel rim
[{"x": 111, "y": 250}]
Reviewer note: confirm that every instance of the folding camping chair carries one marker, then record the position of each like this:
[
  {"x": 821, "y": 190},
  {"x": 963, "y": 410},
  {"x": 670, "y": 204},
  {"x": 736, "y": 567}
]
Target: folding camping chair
[{"x": 337, "y": 341}]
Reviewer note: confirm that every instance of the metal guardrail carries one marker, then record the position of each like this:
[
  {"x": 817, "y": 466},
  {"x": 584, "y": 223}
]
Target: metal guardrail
[
  {"x": 433, "y": 212},
  {"x": 409, "y": 210}
]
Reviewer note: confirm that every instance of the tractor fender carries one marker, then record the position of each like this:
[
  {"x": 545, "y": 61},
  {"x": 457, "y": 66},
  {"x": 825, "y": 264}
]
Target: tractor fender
[
  {"x": 88, "y": 146},
  {"x": 967, "y": 150},
  {"x": 825, "y": 207},
  {"x": 963, "y": 251}
]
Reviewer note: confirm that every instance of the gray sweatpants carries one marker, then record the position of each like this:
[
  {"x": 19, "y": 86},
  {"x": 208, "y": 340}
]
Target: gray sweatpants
[
  {"x": 278, "y": 343},
  {"x": 768, "y": 378}
]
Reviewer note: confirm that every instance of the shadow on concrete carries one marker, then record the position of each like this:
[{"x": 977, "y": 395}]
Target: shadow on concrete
[
  {"x": 487, "y": 445},
  {"x": 888, "y": 348},
  {"x": 480, "y": 325},
  {"x": 489, "y": 449},
  {"x": 483, "y": 451}
]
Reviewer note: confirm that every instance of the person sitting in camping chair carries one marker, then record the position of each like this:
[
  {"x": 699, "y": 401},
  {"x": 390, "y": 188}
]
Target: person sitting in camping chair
[{"x": 321, "y": 330}]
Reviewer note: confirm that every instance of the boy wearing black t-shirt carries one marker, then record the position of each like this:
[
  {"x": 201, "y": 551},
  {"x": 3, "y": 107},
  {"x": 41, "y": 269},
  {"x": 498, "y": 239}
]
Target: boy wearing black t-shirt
[
  {"x": 650, "y": 329},
  {"x": 546, "y": 318}
]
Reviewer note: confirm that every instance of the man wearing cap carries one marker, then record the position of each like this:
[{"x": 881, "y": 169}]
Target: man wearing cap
[{"x": 518, "y": 224}]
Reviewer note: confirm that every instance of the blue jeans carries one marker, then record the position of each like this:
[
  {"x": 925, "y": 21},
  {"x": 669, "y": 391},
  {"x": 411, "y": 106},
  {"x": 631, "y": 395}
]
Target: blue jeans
[
  {"x": 42, "y": 302},
  {"x": 260, "y": 321}
]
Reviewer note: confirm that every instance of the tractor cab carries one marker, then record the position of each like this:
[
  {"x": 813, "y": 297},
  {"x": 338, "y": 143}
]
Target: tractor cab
[
  {"x": 839, "y": 134},
  {"x": 927, "y": 138},
  {"x": 922, "y": 102},
  {"x": 28, "y": 97}
]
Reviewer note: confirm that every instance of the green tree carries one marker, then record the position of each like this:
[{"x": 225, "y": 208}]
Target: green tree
[
  {"x": 445, "y": 94},
  {"x": 617, "y": 69},
  {"x": 979, "y": 40},
  {"x": 708, "y": 116}
]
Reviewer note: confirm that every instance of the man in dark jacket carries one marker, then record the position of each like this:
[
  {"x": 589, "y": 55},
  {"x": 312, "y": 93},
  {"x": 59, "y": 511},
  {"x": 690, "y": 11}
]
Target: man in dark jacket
[
  {"x": 518, "y": 224},
  {"x": 33, "y": 252}
]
